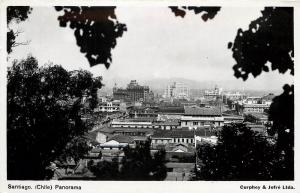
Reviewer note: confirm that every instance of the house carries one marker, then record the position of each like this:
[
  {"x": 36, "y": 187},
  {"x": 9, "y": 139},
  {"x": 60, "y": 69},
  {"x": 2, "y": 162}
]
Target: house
[
  {"x": 195, "y": 116},
  {"x": 118, "y": 142}
]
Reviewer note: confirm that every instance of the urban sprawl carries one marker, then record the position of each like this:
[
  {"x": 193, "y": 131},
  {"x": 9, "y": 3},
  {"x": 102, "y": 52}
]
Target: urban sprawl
[{"x": 173, "y": 121}]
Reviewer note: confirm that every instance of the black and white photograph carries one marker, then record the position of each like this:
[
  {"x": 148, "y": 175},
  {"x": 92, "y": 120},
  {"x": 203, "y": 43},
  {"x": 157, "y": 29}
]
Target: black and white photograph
[{"x": 113, "y": 92}]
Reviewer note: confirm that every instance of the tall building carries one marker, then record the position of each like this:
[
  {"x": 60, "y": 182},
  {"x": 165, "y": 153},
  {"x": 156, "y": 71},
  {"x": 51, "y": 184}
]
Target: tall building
[
  {"x": 134, "y": 92},
  {"x": 177, "y": 90},
  {"x": 137, "y": 92}
]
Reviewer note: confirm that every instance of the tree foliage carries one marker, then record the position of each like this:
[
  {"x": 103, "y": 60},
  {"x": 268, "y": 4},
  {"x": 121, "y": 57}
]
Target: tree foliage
[
  {"x": 16, "y": 14},
  {"x": 250, "y": 118},
  {"x": 106, "y": 170},
  {"x": 206, "y": 12},
  {"x": 282, "y": 115},
  {"x": 96, "y": 30},
  {"x": 270, "y": 38},
  {"x": 137, "y": 164},
  {"x": 43, "y": 119},
  {"x": 240, "y": 154}
]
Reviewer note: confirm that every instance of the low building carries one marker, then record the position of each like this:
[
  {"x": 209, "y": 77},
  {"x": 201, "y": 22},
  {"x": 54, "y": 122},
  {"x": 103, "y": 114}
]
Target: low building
[
  {"x": 195, "y": 116},
  {"x": 109, "y": 107},
  {"x": 230, "y": 118},
  {"x": 133, "y": 123},
  {"x": 117, "y": 142},
  {"x": 167, "y": 125},
  {"x": 179, "y": 136},
  {"x": 253, "y": 108},
  {"x": 170, "y": 112},
  {"x": 142, "y": 112}
]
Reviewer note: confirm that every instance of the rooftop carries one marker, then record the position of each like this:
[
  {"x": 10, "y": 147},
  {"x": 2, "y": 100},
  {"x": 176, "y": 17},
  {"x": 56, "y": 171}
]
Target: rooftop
[
  {"x": 122, "y": 139},
  {"x": 171, "y": 109},
  {"x": 182, "y": 133},
  {"x": 202, "y": 111}
]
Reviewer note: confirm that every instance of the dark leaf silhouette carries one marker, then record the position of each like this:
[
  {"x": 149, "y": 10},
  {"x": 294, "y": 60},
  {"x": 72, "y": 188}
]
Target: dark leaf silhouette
[
  {"x": 207, "y": 12},
  {"x": 16, "y": 14},
  {"x": 282, "y": 114},
  {"x": 96, "y": 30},
  {"x": 270, "y": 38}
]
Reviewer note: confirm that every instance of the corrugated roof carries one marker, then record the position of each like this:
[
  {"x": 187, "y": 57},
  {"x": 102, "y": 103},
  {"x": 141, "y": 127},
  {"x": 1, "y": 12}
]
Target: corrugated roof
[
  {"x": 172, "y": 123},
  {"x": 170, "y": 109},
  {"x": 204, "y": 111},
  {"x": 182, "y": 133},
  {"x": 121, "y": 139}
]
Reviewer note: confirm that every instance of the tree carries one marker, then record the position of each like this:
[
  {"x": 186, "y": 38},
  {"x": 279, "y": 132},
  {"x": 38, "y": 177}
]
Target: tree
[
  {"x": 282, "y": 115},
  {"x": 137, "y": 164},
  {"x": 250, "y": 118},
  {"x": 105, "y": 170},
  {"x": 270, "y": 39},
  {"x": 96, "y": 30},
  {"x": 82, "y": 83},
  {"x": 207, "y": 12},
  {"x": 16, "y": 14},
  {"x": 236, "y": 156},
  {"x": 43, "y": 119}
]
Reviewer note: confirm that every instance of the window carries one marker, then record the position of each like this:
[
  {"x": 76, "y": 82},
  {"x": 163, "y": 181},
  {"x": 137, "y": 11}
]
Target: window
[
  {"x": 182, "y": 140},
  {"x": 195, "y": 123}
]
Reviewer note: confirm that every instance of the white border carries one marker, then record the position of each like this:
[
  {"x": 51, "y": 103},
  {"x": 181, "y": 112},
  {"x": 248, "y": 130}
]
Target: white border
[{"x": 137, "y": 187}]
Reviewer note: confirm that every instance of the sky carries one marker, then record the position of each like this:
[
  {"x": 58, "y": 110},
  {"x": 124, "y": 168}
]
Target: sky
[{"x": 157, "y": 45}]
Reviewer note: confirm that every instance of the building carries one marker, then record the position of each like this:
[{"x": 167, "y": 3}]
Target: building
[
  {"x": 213, "y": 94},
  {"x": 145, "y": 123},
  {"x": 177, "y": 90},
  {"x": 179, "y": 136},
  {"x": 253, "y": 105},
  {"x": 142, "y": 112},
  {"x": 134, "y": 92},
  {"x": 233, "y": 96},
  {"x": 195, "y": 116},
  {"x": 133, "y": 123},
  {"x": 110, "y": 107},
  {"x": 118, "y": 142},
  {"x": 170, "y": 112},
  {"x": 230, "y": 118},
  {"x": 120, "y": 94}
]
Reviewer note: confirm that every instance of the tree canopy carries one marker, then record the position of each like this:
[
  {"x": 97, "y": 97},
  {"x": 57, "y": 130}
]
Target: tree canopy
[
  {"x": 240, "y": 154},
  {"x": 43, "y": 118},
  {"x": 16, "y": 14},
  {"x": 137, "y": 164},
  {"x": 270, "y": 38},
  {"x": 207, "y": 12}
]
